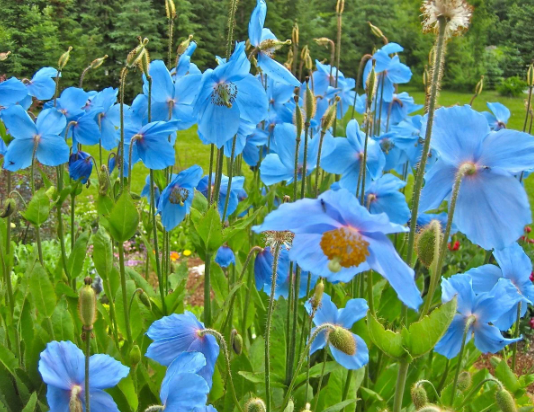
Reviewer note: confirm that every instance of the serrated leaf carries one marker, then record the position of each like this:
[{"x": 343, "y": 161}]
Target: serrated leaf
[
  {"x": 77, "y": 255},
  {"x": 8, "y": 359},
  {"x": 386, "y": 340},
  {"x": 123, "y": 220},
  {"x": 38, "y": 208}
]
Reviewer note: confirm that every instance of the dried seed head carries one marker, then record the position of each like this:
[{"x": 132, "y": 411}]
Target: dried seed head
[
  {"x": 457, "y": 15},
  {"x": 275, "y": 238}
]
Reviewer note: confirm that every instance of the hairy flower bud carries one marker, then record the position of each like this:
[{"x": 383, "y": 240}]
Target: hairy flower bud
[
  {"x": 170, "y": 9},
  {"x": 464, "y": 381},
  {"x": 309, "y": 104},
  {"x": 63, "y": 60},
  {"x": 371, "y": 87},
  {"x": 143, "y": 297},
  {"x": 419, "y": 396},
  {"x": 342, "y": 339},
  {"x": 295, "y": 34},
  {"x": 182, "y": 47},
  {"x": 530, "y": 75},
  {"x": 317, "y": 297},
  {"x": 330, "y": 115},
  {"x": 103, "y": 180},
  {"x": 135, "y": 355},
  {"x": 505, "y": 401},
  {"x": 87, "y": 304},
  {"x": 10, "y": 207},
  {"x": 96, "y": 63},
  {"x": 271, "y": 44},
  {"x": 237, "y": 342},
  {"x": 428, "y": 243},
  {"x": 255, "y": 405},
  {"x": 4, "y": 56},
  {"x": 299, "y": 119}
]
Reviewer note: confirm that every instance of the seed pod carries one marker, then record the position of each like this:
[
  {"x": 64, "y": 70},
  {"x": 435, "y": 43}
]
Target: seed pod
[
  {"x": 330, "y": 115},
  {"x": 135, "y": 355},
  {"x": 317, "y": 295},
  {"x": 170, "y": 9},
  {"x": 10, "y": 207},
  {"x": 340, "y": 6},
  {"x": 309, "y": 104},
  {"x": 295, "y": 33},
  {"x": 342, "y": 339},
  {"x": 87, "y": 304},
  {"x": 419, "y": 396},
  {"x": 464, "y": 381},
  {"x": 4, "y": 56},
  {"x": 427, "y": 243},
  {"x": 376, "y": 31},
  {"x": 96, "y": 63},
  {"x": 255, "y": 405},
  {"x": 63, "y": 60},
  {"x": 237, "y": 342},
  {"x": 480, "y": 86},
  {"x": 334, "y": 265},
  {"x": 505, "y": 401},
  {"x": 530, "y": 76}
]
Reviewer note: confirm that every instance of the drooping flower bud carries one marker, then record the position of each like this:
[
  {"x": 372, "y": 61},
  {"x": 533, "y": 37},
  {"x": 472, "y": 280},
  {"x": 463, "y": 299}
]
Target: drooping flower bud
[
  {"x": 330, "y": 115},
  {"x": 96, "y": 63},
  {"x": 342, "y": 339},
  {"x": 170, "y": 9},
  {"x": 505, "y": 401},
  {"x": 428, "y": 243},
  {"x": 237, "y": 342},
  {"x": 376, "y": 31},
  {"x": 419, "y": 396},
  {"x": 143, "y": 297},
  {"x": 135, "y": 355},
  {"x": 87, "y": 304},
  {"x": 464, "y": 381},
  {"x": 182, "y": 47},
  {"x": 309, "y": 104},
  {"x": 317, "y": 297},
  {"x": 10, "y": 207},
  {"x": 530, "y": 75},
  {"x": 63, "y": 60},
  {"x": 4, "y": 56},
  {"x": 255, "y": 405}
]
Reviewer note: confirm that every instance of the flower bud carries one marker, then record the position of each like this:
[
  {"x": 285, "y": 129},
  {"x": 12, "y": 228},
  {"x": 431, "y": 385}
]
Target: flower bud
[
  {"x": 170, "y": 9},
  {"x": 103, "y": 180},
  {"x": 340, "y": 6},
  {"x": 4, "y": 56},
  {"x": 255, "y": 405},
  {"x": 427, "y": 243},
  {"x": 135, "y": 355},
  {"x": 96, "y": 63},
  {"x": 464, "y": 381},
  {"x": 182, "y": 47},
  {"x": 480, "y": 86},
  {"x": 530, "y": 75},
  {"x": 309, "y": 104},
  {"x": 330, "y": 115},
  {"x": 342, "y": 339},
  {"x": 505, "y": 401},
  {"x": 87, "y": 304},
  {"x": 143, "y": 297},
  {"x": 10, "y": 207},
  {"x": 299, "y": 119},
  {"x": 237, "y": 342},
  {"x": 419, "y": 396},
  {"x": 317, "y": 295},
  {"x": 376, "y": 31},
  {"x": 273, "y": 44},
  {"x": 426, "y": 77},
  {"x": 370, "y": 87},
  {"x": 63, "y": 60},
  {"x": 295, "y": 33}
]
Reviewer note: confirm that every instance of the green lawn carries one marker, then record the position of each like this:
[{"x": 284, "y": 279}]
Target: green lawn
[{"x": 190, "y": 151}]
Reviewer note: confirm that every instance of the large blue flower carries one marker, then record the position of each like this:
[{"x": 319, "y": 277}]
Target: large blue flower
[
  {"x": 354, "y": 310},
  {"x": 397, "y": 109},
  {"x": 324, "y": 77},
  {"x": 336, "y": 238},
  {"x": 383, "y": 196},
  {"x": 80, "y": 166},
  {"x": 346, "y": 93},
  {"x": 146, "y": 190},
  {"x": 42, "y": 136},
  {"x": 515, "y": 266},
  {"x": 175, "y": 334},
  {"x": 249, "y": 137},
  {"x": 183, "y": 388},
  {"x": 12, "y": 91},
  {"x": 481, "y": 309},
  {"x": 62, "y": 366},
  {"x": 225, "y": 257},
  {"x": 499, "y": 116},
  {"x": 492, "y": 208},
  {"x": 258, "y": 35},
  {"x": 42, "y": 86},
  {"x": 184, "y": 66},
  {"x": 228, "y": 94},
  {"x": 237, "y": 192},
  {"x": 176, "y": 199},
  {"x": 278, "y": 94},
  {"x": 108, "y": 117},
  {"x": 344, "y": 156}
]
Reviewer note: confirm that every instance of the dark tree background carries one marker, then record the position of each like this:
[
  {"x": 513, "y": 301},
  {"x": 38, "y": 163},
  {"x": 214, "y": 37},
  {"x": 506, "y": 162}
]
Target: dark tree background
[{"x": 499, "y": 44}]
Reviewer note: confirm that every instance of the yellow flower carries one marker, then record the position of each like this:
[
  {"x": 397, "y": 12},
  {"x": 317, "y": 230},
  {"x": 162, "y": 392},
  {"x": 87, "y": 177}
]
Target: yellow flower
[{"x": 186, "y": 252}]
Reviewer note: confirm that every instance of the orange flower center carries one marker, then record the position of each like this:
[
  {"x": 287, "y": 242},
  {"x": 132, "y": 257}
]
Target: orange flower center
[{"x": 346, "y": 246}]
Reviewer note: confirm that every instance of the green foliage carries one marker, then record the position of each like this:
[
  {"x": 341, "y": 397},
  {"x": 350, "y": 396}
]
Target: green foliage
[{"x": 512, "y": 87}]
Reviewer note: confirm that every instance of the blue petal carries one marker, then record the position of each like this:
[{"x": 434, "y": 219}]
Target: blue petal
[
  {"x": 273, "y": 171},
  {"x": 58, "y": 399},
  {"x": 319, "y": 342},
  {"x": 162, "y": 85},
  {"x": 352, "y": 362},
  {"x": 18, "y": 123},
  {"x": 450, "y": 344},
  {"x": 12, "y": 91},
  {"x": 43, "y": 84},
  {"x": 485, "y": 277},
  {"x": 251, "y": 99},
  {"x": 438, "y": 185},
  {"x": 492, "y": 305},
  {"x": 327, "y": 312},
  {"x": 189, "y": 391},
  {"x": 515, "y": 264},
  {"x": 501, "y": 112},
  {"x": 105, "y": 372},
  {"x": 218, "y": 124},
  {"x": 62, "y": 365},
  {"x": 50, "y": 121},
  {"x": 19, "y": 154},
  {"x": 52, "y": 151},
  {"x": 398, "y": 72},
  {"x": 508, "y": 150},
  {"x": 185, "y": 362},
  {"x": 237, "y": 67},
  {"x": 488, "y": 339},
  {"x": 460, "y": 286},
  {"x": 101, "y": 402},
  {"x": 86, "y": 130},
  {"x": 257, "y": 20},
  {"x": 276, "y": 71},
  {"x": 354, "y": 310}
]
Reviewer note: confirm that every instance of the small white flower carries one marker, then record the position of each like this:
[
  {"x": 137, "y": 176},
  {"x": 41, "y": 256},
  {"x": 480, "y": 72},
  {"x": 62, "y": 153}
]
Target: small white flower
[{"x": 457, "y": 13}]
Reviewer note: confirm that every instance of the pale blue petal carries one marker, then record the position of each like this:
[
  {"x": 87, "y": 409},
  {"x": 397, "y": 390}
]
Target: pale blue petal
[
  {"x": 52, "y": 151},
  {"x": 276, "y": 71},
  {"x": 354, "y": 310},
  {"x": 485, "y": 277},
  {"x": 488, "y": 339},
  {"x": 105, "y": 372},
  {"x": 62, "y": 365},
  {"x": 352, "y": 362},
  {"x": 450, "y": 344},
  {"x": 508, "y": 150}
]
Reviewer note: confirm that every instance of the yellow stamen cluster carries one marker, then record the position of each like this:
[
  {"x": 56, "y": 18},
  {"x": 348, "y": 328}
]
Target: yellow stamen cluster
[{"x": 346, "y": 246}]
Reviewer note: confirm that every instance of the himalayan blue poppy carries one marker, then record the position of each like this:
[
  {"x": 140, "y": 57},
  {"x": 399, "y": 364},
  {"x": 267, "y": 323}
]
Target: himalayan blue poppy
[
  {"x": 146, "y": 190},
  {"x": 42, "y": 86},
  {"x": 324, "y": 77},
  {"x": 108, "y": 117},
  {"x": 80, "y": 166},
  {"x": 12, "y": 91},
  {"x": 499, "y": 116},
  {"x": 237, "y": 192},
  {"x": 225, "y": 257},
  {"x": 383, "y": 196}
]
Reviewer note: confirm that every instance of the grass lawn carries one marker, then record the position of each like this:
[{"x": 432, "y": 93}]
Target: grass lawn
[{"x": 190, "y": 151}]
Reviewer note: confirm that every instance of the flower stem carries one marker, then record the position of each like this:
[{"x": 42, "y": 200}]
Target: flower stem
[
  {"x": 321, "y": 139},
  {"x": 296, "y": 172},
  {"x": 401, "y": 384},
  {"x": 289, "y": 362},
  {"x": 207, "y": 291},
  {"x": 230, "y": 176},
  {"x": 516, "y": 334},
  {"x": 325, "y": 352},
  {"x": 61, "y": 235},
  {"x": 124, "y": 294},
  {"x": 305, "y": 160},
  {"x": 468, "y": 324},
  {"x": 529, "y": 102},
  {"x": 418, "y": 184},
  {"x": 124, "y": 73},
  {"x": 87, "y": 357},
  {"x": 478, "y": 387},
  {"x": 156, "y": 248},
  {"x": 212, "y": 155},
  {"x": 231, "y": 25}
]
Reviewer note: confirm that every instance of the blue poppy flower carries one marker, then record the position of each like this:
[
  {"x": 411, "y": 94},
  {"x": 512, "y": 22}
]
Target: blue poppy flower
[
  {"x": 383, "y": 196},
  {"x": 248, "y": 138},
  {"x": 492, "y": 207},
  {"x": 278, "y": 94},
  {"x": 72, "y": 103},
  {"x": 484, "y": 309},
  {"x": 499, "y": 116},
  {"x": 346, "y": 93},
  {"x": 176, "y": 199},
  {"x": 336, "y": 238},
  {"x": 42, "y": 86},
  {"x": 395, "y": 157},
  {"x": 108, "y": 117},
  {"x": 85, "y": 130},
  {"x": 237, "y": 192},
  {"x": 263, "y": 273},
  {"x": 80, "y": 166},
  {"x": 424, "y": 219},
  {"x": 225, "y": 257},
  {"x": 146, "y": 190},
  {"x": 62, "y": 367},
  {"x": 398, "y": 109},
  {"x": 3, "y": 147},
  {"x": 354, "y": 310},
  {"x": 514, "y": 265},
  {"x": 407, "y": 137},
  {"x": 43, "y": 136},
  {"x": 175, "y": 334},
  {"x": 257, "y": 35},
  {"x": 12, "y": 91},
  {"x": 207, "y": 408},
  {"x": 150, "y": 143},
  {"x": 185, "y": 66},
  {"x": 228, "y": 94},
  {"x": 344, "y": 155},
  {"x": 324, "y": 77},
  {"x": 280, "y": 166},
  {"x": 183, "y": 388}
]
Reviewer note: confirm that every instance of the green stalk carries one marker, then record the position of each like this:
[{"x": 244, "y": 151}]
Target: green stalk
[
  {"x": 516, "y": 334},
  {"x": 325, "y": 352},
  {"x": 323, "y": 132},
  {"x": 419, "y": 178},
  {"x": 268, "y": 330},
  {"x": 293, "y": 345},
  {"x": 87, "y": 356},
  {"x": 124, "y": 73},
  {"x": 126, "y": 309},
  {"x": 468, "y": 324},
  {"x": 212, "y": 150},
  {"x": 305, "y": 160},
  {"x": 296, "y": 172},
  {"x": 207, "y": 291},
  {"x": 288, "y": 324},
  {"x": 339, "y": 17},
  {"x": 156, "y": 248},
  {"x": 529, "y": 102},
  {"x": 401, "y": 384},
  {"x": 363, "y": 165},
  {"x": 363, "y": 62},
  {"x": 230, "y": 176}
]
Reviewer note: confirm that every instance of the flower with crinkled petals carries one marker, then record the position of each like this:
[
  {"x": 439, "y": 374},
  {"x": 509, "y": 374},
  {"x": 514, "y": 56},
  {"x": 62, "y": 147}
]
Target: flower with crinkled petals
[
  {"x": 175, "y": 334},
  {"x": 348, "y": 349},
  {"x": 336, "y": 238},
  {"x": 480, "y": 310},
  {"x": 325, "y": 76},
  {"x": 228, "y": 94},
  {"x": 492, "y": 208},
  {"x": 62, "y": 367},
  {"x": 457, "y": 14},
  {"x": 108, "y": 115},
  {"x": 499, "y": 116},
  {"x": 515, "y": 265}
]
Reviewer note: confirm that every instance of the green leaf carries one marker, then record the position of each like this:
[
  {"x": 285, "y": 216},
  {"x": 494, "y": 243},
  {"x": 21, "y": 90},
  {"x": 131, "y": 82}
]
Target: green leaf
[
  {"x": 42, "y": 291},
  {"x": 209, "y": 229},
  {"x": 423, "y": 335},
  {"x": 8, "y": 359},
  {"x": 123, "y": 220},
  {"x": 386, "y": 340},
  {"x": 77, "y": 255},
  {"x": 62, "y": 322},
  {"x": 339, "y": 406},
  {"x": 32, "y": 403},
  {"x": 102, "y": 253},
  {"x": 38, "y": 208},
  {"x": 506, "y": 376},
  {"x": 200, "y": 202}
]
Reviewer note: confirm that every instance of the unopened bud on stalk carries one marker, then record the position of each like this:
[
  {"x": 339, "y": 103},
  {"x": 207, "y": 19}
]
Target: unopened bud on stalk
[
  {"x": 237, "y": 342},
  {"x": 4, "y": 56},
  {"x": 143, "y": 297},
  {"x": 309, "y": 104},
  {"x": 376, "y": 31},
  {"x": 10, "y": 207},
  {"x": 87, "y": 304},
  {"x": 426, "y": 76},
  {"x": 342, "y": 340},
  {"x": 505, "y": 401},
  {"x": 255, "y": 405},
  {"x": 182, "y": 47},
  {"x": 299, "y": 119},
  {"x": 330, "y": 115},
  {"x": 419, "y": 396},
  {"x": 96, "y": 63},
  {"x": 135, "y": 355},
  {"x": 432, "y": 56},
  {"x": 295, "y": 34},
  {"x": 170, "y": 9},
  {"x": 428, "y": 243},
  {"x": 103, "y": 180},
  {"x": 303, "y": 52},
  {"x": 340, "y": 6},
  {"x": 371, "y": 87},
  {"x": 480, "y": 86},
  {"x": 530, "y": 76},
  {"x": 317, "y": 297},
  {"x": 464, "y": 381},
  {"x": 63, "y": 60}
]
